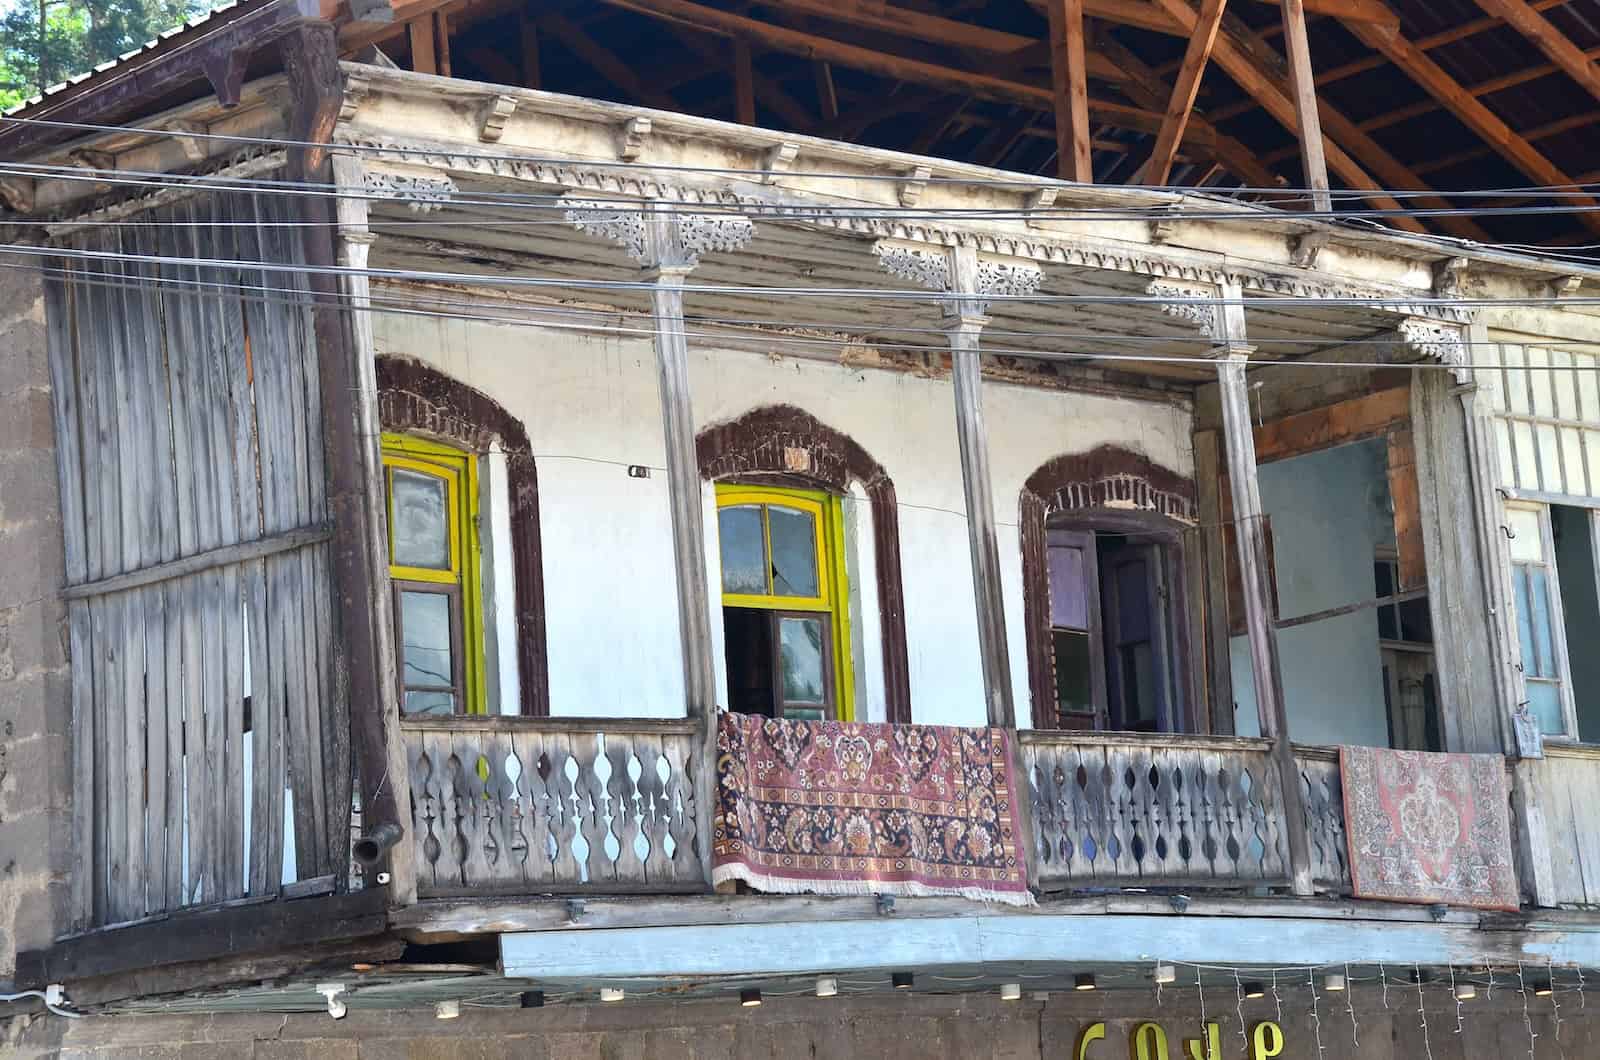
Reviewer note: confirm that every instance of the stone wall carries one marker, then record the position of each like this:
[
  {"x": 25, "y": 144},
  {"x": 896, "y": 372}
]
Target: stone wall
[
  {"x": 899, "y": 1027},
  {"x": 35, "y": 777}
]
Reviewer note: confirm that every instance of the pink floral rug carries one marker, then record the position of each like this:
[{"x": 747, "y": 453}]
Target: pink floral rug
[
  {"x": 1429, "y": 828},
  {"x": 831, "y": 807}
]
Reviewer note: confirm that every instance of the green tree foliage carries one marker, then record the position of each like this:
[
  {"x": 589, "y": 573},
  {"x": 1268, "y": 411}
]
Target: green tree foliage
[{"x": 76, "y": 35}]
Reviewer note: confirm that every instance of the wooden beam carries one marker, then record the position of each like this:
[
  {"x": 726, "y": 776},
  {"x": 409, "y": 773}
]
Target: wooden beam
[
  {"x": 1074, "y": 160},
  {"x": 1147, "y": 89},
  {"x": 1184, "y": 90},
  {"x": 768, "y": 91},
  {"x": 528, "y": 32},
  {"x": 606, "y": 62},
  {"x": 894, "y": 67},
  {"x": 744, "y": 84},
  {"x": 1002, "y": 137},
  {"x": 1555, "y": 44},
  {"x": 932, "y": 29},
  {"x": 1302, "y": 86},
  {"x": 1448, "y": 91},
  {"x": 424, "y": 50},
  {"x": 827, "y": 94},
  {"x": 1374, "y": 11}
]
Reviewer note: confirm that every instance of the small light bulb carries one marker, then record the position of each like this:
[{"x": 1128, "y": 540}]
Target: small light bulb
[
  {"x": 750, "y": 998},
  {"x": 902, "y": 980},
  {"x": 1254, "y": 991},
  {"x": 447, "y": 1010},
  {"x": 1166, "y": 974},
  {"x": 1083, "y": 981},
  {"x": 1466, "y": 991},
  {"x": 611, "y": 993},
  {"x": 827, "y": 986},
  {"x": 1333, "y": 984},
  {"x": 1010, "y": 991}
]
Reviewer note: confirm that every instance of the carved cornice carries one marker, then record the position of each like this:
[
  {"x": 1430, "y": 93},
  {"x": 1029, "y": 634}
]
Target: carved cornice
[
  {"x": 1056, "y": 249},
  {"x": 422, "y": 194},
  {"x": 925, "y": 267},
  {"x": 680, "y": 238},
  {"x": 1189, "y": 303}
]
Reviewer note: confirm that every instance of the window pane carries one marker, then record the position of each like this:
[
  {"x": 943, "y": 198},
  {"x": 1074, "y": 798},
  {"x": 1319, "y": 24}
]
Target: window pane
[
  {"x": 1519, "y": 581},
  {"x": 1544, "y": 703},
  {"x": 1074, "y": 693},
  {"x": 1416, "y": 624},
  {"x": 421, "y": 524},
  {"x": 1139, "y": 684},
  {"x": 1069, "y": 589},
  {"x": 1540, "y": 583},
  {"x": 1133, "y": 598},
  {"x": 794, "y": 552},
  {"x": 1383, "y": 577},
  {"x": 430, "y": 703},
  {"x": 1526, "y": 546},
  {"x": 425, "y": 624},
  {"x": 800, "y": 655},
  {"x": 1389, "y": 623},
  {"x": 744, "y": 560}
]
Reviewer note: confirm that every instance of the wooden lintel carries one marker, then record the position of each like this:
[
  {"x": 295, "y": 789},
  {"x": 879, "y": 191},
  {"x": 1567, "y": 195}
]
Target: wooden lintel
[
  {"x": 1068, "y": 76},
  {"x": 1184, "y": 90}
]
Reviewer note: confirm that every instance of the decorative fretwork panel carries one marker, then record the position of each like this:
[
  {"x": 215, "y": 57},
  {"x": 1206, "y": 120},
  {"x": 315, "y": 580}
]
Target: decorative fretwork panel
[
  {"x": 549, "y": 805},
  {"x": 1142, "y": 811},
  {"x": 1323, "y": 793}
]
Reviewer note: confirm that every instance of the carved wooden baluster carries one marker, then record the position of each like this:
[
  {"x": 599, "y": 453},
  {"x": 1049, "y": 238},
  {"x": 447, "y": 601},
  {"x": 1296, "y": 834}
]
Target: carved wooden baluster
[
  {"x": 537, "y": 811},
  {"x": 1273, "y": 826},
  {"x": 686, "y": 767},
  {"x": 468, "y": 747},
  {"x": 620, "y": 789},
  {"x": 658, "y": 866},
  {"x": 1252, "y": 818},
  {"x": 500, "y": 800},
  {"x": 587, "y": 750},
  {"x": 516, "y": 810},
  {"x": 1041, "y": 800},
  {"x": 1059, "y": 839},
  {"x": 427, "y": 813},
  {"x": 1232, "y": 825},
  {"x": 1099, "y": 812},
  {"x": 564, "y": 827},
  {"x": 1165, "y": 766},
  {"x": 1210, "y": 796},
  {"x": 1123, "y": 782},
  {"x": 1185, "y": 856},
  {"x": 452, "y": 847}
]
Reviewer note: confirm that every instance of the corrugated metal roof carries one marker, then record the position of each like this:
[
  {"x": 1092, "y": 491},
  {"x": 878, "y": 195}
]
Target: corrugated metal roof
[{"x": 193, "y": 27}]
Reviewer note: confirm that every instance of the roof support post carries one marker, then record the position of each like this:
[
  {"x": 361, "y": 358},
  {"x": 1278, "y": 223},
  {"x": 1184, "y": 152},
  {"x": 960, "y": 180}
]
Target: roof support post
[
  {"x": 667, "y": 244},
  {"x": 1219, "y": 314},
  {"x": 1068, "y": 71},
  {"x": 1303, "y": 89},
  {"x": 970, "y": 283},
  {"x": 350, "y": 417}
]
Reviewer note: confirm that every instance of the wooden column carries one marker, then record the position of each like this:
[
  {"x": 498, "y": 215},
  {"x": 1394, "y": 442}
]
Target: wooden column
[
  {"x": 349, "y": 410},
  {"x": 1068, "y": 74},
  {"x": 668, "y": 249},
  {"x": 1303, "y": 88},
  {"x": 1233, "y": 354},
  {"x": 971, "y": 284}
]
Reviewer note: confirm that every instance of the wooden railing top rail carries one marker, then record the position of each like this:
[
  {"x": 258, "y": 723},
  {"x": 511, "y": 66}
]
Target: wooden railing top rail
[
  {"x": 1166, "y": 740},
  {"x": 520, "y": 723}
]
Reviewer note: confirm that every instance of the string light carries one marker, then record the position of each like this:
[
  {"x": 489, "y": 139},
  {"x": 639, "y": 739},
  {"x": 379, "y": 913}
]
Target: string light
[
  {"x": 1316, "y": 1015},
  {"x": 1527, "y": 1018},
  {"x": 1277, "y": 998},
  {"x": 1458, "y": 992},
  {"x": 1555, "y": 1004},
  {"x": 1583, "y": 1002},
  {"x": 750, "y": 997},
  {"x": 1422, "y": 1008},
  {"x": 1238, "y": 987},
  {"x": 1383, "y": 977},
  {"x": 1200, "y": 985},
  {"x": 827, "y": 986},
  {"x": 1350, "y": 1007}
]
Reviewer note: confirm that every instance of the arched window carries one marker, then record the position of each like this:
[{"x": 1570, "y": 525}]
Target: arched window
[
  {"x": 1105, "y": 555},
  {"x": 785, "y": 448},
  {"x": 442, "y": 441}
]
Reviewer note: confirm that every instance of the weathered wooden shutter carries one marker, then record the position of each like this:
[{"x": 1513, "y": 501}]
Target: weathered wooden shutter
[{"x": 204, "y": 674}]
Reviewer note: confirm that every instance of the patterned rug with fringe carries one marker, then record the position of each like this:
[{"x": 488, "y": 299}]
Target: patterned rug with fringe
[
  {"x": 828, "y": 807},
  {"x": 1429, "y": 828}
]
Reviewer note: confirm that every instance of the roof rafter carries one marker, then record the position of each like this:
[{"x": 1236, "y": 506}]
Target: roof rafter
[
  {"x": 1184, "y": 90},
  {"x": 1464, "y": 105},
  {"x": 1538, "y": 29}
]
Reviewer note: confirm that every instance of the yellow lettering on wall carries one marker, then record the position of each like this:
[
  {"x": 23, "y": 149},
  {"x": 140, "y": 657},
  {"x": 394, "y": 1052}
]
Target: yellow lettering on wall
[
  {"x": 1094, "y": 1032},
  {"x": 1149, "y": 1042},
  {"x": 1265, "y": 1041},
  {"x": 1212, "y": 1044}
]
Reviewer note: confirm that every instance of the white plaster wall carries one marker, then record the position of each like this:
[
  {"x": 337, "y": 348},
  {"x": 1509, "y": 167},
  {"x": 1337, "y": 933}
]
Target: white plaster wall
[{"x": 590, "y": 407}]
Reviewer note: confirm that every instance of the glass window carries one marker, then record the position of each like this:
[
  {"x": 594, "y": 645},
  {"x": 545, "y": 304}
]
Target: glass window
[
  {"x": 433, "y": 565},
  {"x": 1539, "y": 633},
  {"x": 785, "y": 616}
]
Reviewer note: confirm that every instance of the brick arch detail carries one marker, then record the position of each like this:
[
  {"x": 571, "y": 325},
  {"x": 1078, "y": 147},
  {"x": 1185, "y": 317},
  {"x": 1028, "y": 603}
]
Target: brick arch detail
[
  {"x": 417, "y": 398},
  {"x": 1108, "y": 478},
  {"x": 785, "y": 440}
]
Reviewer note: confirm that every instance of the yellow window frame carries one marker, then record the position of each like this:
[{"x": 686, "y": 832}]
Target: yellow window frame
[
  {"x": 833, "y": 596},
  {"x": 459, "y": 470}
]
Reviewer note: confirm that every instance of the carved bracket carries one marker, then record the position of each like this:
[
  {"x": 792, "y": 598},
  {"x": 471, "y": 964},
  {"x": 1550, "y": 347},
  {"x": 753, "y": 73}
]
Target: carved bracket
[
  {"x": 1449, "y": 277},
  {"x": 17, "y": 193},
  {"x": 422, "y": 194},
  {"x": 1039, "y": 200},
  {"x": 357, "y": 87},
  {"x": 495, "y": 114},
  {"x": 189, "y": 135},
  {"x": 1444, "y": 343},
  {"x": 932, "y": 268},
  {"x": 914, "y": 184},
  {"x": 633, "y": 134},
  {"x": 1306, "y": 249},
  {"x": 779, "y": 160},
  {"x": 1564, "y": 287},
  {"x": 659, "y": 236},
  {"x": 1190, "y": 303}
]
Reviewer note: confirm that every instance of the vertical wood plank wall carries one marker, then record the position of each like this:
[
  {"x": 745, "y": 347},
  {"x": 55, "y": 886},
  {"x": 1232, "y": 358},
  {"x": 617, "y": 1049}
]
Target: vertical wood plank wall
[{"x": 201, "y": 621}]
